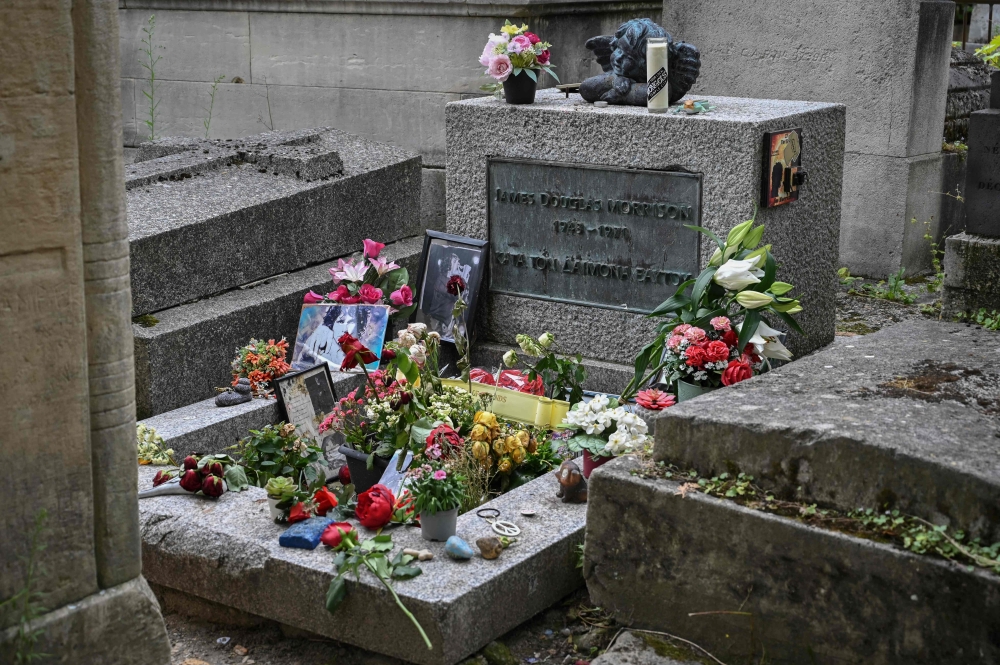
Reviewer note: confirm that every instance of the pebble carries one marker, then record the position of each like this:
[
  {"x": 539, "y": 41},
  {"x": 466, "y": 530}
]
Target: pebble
[
  {"x": 240, "y": 650},
  {"x": 458, "y": 549},
  {"x": 490, "y": 547}
]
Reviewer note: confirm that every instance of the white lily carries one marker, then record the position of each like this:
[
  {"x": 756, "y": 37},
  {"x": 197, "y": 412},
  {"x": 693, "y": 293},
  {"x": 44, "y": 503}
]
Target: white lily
[
  {"x": 736, "y": 275},
  {"x": 348, "y": 271},
  {"x": 766, "y": 342}
]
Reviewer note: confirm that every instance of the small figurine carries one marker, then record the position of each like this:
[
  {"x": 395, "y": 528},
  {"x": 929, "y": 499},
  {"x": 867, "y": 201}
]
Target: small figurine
[
  {"x": 573, "y": 486},
  {"x": 238, "y": 394},
  {"x": 623, "y": 58}
]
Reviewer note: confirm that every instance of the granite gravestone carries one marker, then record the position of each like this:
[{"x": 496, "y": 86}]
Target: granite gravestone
[
  {"x": 598, "y": 236},
  {"x": 982, "y": 180}
]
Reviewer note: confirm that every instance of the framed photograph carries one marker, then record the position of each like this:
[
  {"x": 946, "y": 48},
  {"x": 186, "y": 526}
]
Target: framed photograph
[
  {"x": 782, "y": 163},
  {"x": 445, "y": 256},
  {"x": 322, "y": 324},
  {"x": 307, "y": 398}
]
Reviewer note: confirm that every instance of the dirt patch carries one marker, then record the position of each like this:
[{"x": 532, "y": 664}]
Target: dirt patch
[{"x": 935, "y": 381}]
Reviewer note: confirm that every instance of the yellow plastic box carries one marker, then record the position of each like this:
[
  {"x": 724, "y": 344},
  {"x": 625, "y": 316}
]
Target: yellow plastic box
[{"x": 523, "y": 407}]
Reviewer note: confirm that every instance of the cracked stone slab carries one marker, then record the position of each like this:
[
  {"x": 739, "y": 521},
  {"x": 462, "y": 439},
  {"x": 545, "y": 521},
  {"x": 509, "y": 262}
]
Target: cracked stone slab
[
  {"x": 206, "y": 216},
  {"x": 227, "y": 551},
  {"x": 906, "y": 418}
]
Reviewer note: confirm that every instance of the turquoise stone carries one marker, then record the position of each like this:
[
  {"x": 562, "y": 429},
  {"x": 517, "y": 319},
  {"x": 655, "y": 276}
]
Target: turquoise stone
[
  {"x": 305, "y": 534},
  {"x": 457, "y": 548}
]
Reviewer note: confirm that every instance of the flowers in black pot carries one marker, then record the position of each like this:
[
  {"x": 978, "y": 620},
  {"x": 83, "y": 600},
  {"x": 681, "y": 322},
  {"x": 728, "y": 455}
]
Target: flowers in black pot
[{"x": 515, "y": 52}]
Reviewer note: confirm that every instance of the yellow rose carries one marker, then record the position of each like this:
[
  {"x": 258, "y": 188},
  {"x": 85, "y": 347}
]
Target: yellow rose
[
  {"x": 499, "y": 447},
  {"x": 479, "y": 433},
  {"x": 480, "y": 450},
  {"x": 523, "y": 437},
  {"x": 504, "y": 465},
  {"x": 511, "y": 443},
  {"x": 518, "y": 455},
  {"x": 487, "y": 419}
]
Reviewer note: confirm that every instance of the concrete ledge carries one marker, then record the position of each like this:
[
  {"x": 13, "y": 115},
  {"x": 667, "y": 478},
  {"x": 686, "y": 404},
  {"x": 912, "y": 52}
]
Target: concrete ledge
[
  {"x": 903, "y": 418},
  {"x": 117, "y": 626},
  {"x": 227, "y": 551},
  {"x": 186, "y": 355},
  {"x": 810, "y": 595},
  {"x": 206, "y": 428},
  {"x": 972, "y": 273}
]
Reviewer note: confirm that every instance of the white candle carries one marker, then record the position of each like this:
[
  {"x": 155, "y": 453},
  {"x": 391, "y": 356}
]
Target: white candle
[{"x": 657, "y": 96}]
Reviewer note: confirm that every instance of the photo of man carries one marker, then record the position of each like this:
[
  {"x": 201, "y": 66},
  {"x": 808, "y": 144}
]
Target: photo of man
[{"x": 322, "y": 325}]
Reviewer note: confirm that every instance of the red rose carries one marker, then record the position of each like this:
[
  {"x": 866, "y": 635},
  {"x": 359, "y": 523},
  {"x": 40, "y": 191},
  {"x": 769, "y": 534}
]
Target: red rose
[
  {"x": 343, "y": 296},
  {"x": 532, "y": 37},
  {"x": 354, "y": 352},
  {"x": 480, "y": 375},
  {"x": 369, "y": 294},
  {"x": 191, "y": 480},
  {"x": 736, "y": 372},
  {"x": 344, "y": 475},
  {"x": 298, "y": 513},
  {"x": 695, "y": 356},
  {"x": 212, "y": 486},
  {"x": 190, "y": 462},
  {"x": 335, "y": 532},
  {"x": 213, "y": 468},
  {"x": 444, "y": 437},
  {"x": 730, "y": 338},
  {"x": 543, "y": 57},
  {"x": 716, "y": 351},
  {"x": 387, "y": 355},
  {"x": 325, "y": 501},
  {"x": 375, "y": 507},
  {"x": 455, "y": 285}
]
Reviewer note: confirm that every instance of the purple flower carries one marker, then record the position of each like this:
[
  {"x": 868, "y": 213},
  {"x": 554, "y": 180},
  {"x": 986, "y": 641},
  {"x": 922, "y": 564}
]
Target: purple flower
[{"x": 440, "y": 474}]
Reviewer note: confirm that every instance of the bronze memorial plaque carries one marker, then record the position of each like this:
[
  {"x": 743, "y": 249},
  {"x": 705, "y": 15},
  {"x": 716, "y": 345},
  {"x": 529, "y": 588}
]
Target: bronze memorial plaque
[{"x": 591, "y": 235}]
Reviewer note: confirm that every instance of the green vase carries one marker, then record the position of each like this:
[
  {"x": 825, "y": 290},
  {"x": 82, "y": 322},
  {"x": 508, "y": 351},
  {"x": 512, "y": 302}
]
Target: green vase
[{"x": 686, "y": 391}]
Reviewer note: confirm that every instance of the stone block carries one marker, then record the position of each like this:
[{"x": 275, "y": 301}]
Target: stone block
[
  {"x": 900, "y": 419},
  {"x": 186, "y": 354},
  {"x": 982, "y": 185},
  {"x": 230, "y": 555},
  {"x": 740, "y": 582},
  {"x": 203, "y": 222},
  {"x": 432, "y": 199},
  {"x": 120, "y": 625},
  {"x": 725, "y": 146},
  {"x": 972, "y": 272},
  {"x": 206, "y": 428}
]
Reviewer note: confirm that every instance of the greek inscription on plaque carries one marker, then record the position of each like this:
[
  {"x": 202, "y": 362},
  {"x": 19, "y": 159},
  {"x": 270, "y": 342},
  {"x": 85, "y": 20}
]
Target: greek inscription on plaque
[{"x": 598, "y": 236}]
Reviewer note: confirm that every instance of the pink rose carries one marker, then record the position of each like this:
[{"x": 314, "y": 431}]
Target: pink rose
[
  {"x": 370, "y": 295},
  {"x": 519, "y": 44},
  {"x": 312, "y": 298},
  {"x": 372, "y": 248},
  {"x": 682, "y": 328},
  {"x": 543, "y": 57},
  {"x": 500, "y": 67},
  {"x": 532, "y": 37},
  {"x": 403, "y": 297}
]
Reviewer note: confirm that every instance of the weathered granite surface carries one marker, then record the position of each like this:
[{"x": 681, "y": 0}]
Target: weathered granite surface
[
  {"x": 206, "y": 216},
  {"x": 724, "y": 145},
  {"x": 206, "y": 428},
  {"x": 186, "y": 354},
  {"x": 904, "y": 418},
  {"x": 772, "y": 585},
  {"x": 227, "y": 551},
  {"x": 972, "y": 273}
]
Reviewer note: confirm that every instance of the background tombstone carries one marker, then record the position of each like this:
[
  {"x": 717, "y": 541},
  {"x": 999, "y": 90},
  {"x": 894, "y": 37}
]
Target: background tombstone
[
  {"x": 972, "y": 258},
  {"x": 68, "y": 422},
  {"x": 887, "y": 61}
]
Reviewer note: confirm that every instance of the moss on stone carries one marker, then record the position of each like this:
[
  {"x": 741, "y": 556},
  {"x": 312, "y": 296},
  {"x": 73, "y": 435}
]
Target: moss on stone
[
  {"x": 667, "y": 649},
  {"x": 146, "y": 320}
]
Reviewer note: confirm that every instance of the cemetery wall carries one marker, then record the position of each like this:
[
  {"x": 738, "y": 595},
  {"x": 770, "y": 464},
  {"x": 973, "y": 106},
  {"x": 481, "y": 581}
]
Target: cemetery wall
[{"x": 382, "y": 69}]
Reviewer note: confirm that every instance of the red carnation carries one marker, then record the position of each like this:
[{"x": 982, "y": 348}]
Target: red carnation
[
  {"x": 334, "y": 533},
  {"x": 354, "y": 352},
  {"x": 455, "y": 285},
  {"x": 325, "y": 501},
  {"x": 737, "y": 371},
  {"x": 730, "y": 337},
  {"x": 375, "y": 507},
  {"x": 695, "y": 356},
  {"x": 716, "y": 351}
]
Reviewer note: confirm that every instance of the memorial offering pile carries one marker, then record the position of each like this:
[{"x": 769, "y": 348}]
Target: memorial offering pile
[
  {"x": 369, "y": 280},
  {"x": 513, "y": 52},
  {"x": 206, "y": 475},
  {"x": 699, "y": 344},
  {"x": 260, "y": 362},
  {"x": 561, "y": 374}
]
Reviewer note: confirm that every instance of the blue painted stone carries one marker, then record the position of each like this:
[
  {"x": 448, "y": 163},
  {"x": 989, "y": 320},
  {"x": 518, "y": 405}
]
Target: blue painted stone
[
  {"x": 305, "y": 534},
  {"x": 457, "y": 548}
]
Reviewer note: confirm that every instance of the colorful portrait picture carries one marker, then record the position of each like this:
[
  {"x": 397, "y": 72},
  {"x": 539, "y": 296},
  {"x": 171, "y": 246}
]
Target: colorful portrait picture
[
  {"x": 307, "y": 398},
  {"x": 782, "y": 160},
  {"x": 446, "y": 256},
  {"x": 321, "y": 325}
]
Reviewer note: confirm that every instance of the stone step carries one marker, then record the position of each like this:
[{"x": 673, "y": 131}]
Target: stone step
[
  {"x": 905, "y": 418},
  {"x": 185, "y": 354},
  {"x": 209, "y": 215},
  {"x": 741, "y": 582},
  {"x": 227, "y": 551}
]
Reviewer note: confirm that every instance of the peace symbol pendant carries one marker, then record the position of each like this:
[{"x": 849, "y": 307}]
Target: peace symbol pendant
[{"x": 504, "y": 528}]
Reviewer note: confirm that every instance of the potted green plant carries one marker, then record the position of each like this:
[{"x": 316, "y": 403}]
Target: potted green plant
[
  {"x": 603, "y": 430},
  {"x": 437, "y": 495},
  {"x": 279, "y": 489}
]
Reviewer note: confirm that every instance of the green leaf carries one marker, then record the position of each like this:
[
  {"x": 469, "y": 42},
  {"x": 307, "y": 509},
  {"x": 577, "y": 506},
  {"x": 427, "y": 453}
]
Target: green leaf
[
  {"x": 781, "y": 288},
  {"x": 420, "y": 430},
  {"x": 704, "y": 279},
  {"x": 336, "y": 594},
  {"x": 670, "y": 305},
  {"x": 551, "y": 73},
  {"x": 405, "y": 572},
  {"x": 517, "y": 70},
  {"x": 770, "y": 268},
  {"x": 395, "y": 279},
  {"x": 792, "y": 323},
  {"x": 531, "y": 74},
  {"x": 748, "y": 328},
  {"x": 236, "y": 479},
  {"x": 651, "y": 350},
  {"x": 753, "y": 237},
  {"x": 339, "y": 560},
  {"x": 702, "y": 229},
  {"x": 409, "y": 368}
]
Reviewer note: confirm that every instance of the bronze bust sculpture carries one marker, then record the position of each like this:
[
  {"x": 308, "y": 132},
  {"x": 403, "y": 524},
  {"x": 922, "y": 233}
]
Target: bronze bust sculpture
[{"x": 623, "y": 58}]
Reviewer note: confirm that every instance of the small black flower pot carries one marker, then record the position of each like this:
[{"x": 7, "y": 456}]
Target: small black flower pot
[
  {"x": 357, "y": 463},
  {"x": 520, "y": 89}
]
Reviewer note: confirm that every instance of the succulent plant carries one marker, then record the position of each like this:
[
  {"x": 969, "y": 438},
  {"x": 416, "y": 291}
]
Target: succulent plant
[{"x": 280, "y": 487}]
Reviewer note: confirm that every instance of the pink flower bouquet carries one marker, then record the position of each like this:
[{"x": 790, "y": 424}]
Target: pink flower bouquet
[
  {"x": 369, "y": 280},
  {"x": 513, "y": 51}
]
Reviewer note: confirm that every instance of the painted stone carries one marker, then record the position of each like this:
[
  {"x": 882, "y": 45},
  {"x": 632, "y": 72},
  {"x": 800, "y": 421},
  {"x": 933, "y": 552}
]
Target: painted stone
[
  {"x": 458, "y": 549},
  {"x": 490, "y": 547},
  {"x": 306, "y": 534}
]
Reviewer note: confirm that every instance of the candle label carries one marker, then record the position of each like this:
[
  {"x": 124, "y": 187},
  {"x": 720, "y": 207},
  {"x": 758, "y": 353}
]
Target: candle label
[{"x": 657, "y": 82}]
